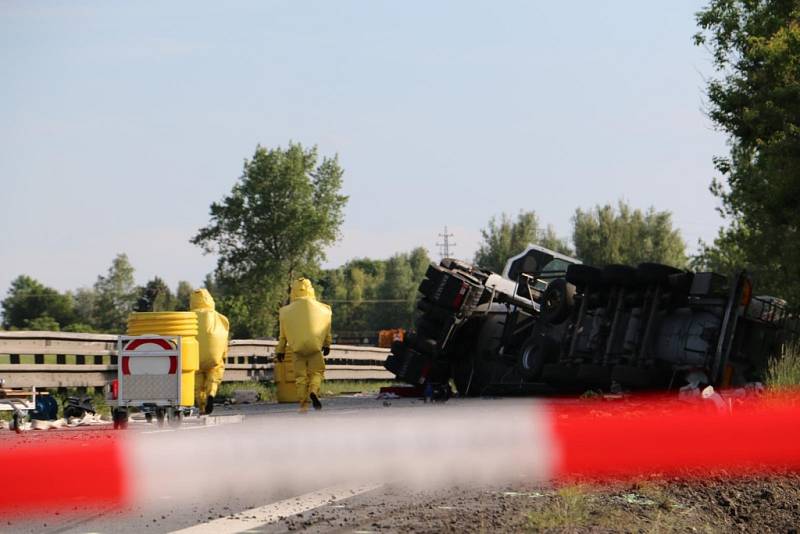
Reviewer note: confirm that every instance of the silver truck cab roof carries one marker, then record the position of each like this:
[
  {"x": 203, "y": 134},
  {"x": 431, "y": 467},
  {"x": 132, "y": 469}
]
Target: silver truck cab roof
[{"x": 533, "y": 260}]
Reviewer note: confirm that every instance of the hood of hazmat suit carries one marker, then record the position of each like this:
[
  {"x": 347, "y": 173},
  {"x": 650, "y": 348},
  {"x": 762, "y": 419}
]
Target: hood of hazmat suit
[
  {"x": 305, "y": 324},
  {"x": 302, "y": 288},
  {"x": 213, "y": 328}
]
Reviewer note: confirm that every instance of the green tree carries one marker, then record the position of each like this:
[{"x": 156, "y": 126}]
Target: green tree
[
  {"x": 605, "y": 235},
  {"x": 370, "y": 295},
  {"x": 85, "y": 299},
  {"x": 273, "y": 226},
  {"x": 45, "y": 323},
  {"x": 505, "y": 238},
  {"x": 755, "y": 100},
  {"x": 116, "y": 295},
  {"x": 155, "y": 296},
  {"x": 29, "y": 299},
  {"x": 183, "y": 295}
]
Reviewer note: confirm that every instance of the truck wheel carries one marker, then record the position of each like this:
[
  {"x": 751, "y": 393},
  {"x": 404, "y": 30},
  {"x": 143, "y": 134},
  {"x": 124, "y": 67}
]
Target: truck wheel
[
  {"x": 472, "y": 374},
  {"x": 557, "y": 301},
  {"x": 582, "y": 275},
  {"x": 656, "y": 273},
  {"x": 620, "y": 275},
  {"x": 398, "y": 347},
  {"x": 535, "y": 353},
  {"x": 425, "y": 345},
  {"x": 427, "y": 328},
  {"x": 161, "y": 415},
  {"x": 433, "y": 312}
]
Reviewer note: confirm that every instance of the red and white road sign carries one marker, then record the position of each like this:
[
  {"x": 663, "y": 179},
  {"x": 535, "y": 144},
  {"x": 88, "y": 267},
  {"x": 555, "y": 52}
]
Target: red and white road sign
[
  {"x": 149, "y": 370},
  {"x": 166, "y": 363}
]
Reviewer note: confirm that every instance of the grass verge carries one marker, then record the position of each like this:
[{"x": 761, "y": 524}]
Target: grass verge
[{"x": 784, "y": 372}]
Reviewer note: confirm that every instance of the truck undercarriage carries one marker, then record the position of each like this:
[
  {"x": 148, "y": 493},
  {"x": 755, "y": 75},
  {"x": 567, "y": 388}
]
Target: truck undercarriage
[{"x": 552, "y": 323}]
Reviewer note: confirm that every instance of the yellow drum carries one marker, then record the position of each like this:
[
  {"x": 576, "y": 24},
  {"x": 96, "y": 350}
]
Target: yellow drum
[
  {"x": 283, "y": 374},
  {"x": 182, "y": 324}
]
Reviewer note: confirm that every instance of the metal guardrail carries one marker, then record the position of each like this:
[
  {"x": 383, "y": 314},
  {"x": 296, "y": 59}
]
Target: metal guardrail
[{"x": 63, "y": 359}]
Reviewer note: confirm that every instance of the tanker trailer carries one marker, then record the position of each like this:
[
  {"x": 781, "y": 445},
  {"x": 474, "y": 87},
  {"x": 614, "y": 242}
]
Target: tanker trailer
[{"x": 551, "y": 323}]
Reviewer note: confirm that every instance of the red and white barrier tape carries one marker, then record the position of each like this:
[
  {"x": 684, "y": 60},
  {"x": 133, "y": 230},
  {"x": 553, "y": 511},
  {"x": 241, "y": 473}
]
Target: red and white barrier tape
[{"x": 487, "y": 442}]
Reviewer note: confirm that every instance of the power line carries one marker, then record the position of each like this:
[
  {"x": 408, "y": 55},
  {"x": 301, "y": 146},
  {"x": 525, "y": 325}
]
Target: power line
[{"x": 445, "y": 245}]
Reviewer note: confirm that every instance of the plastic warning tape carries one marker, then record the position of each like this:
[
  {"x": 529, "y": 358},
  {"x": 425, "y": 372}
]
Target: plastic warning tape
[{"x": 491, "y": 441}]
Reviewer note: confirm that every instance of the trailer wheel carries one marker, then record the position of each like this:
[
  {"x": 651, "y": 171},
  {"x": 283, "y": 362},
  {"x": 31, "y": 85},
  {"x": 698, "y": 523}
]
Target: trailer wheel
[
  {"x": 656, "y": 273},
  {"x": 620, "y": 275},
  {"x": 535, "y": 353},
  {"x": 472, "y": 373},
  {"x": 425, "y": 345},
  {"x": 582, "y": 275},
  {"x": 558, "y": 301},
  {"x": 148, "y": 417},
  {"x": 427, "y": 328}
]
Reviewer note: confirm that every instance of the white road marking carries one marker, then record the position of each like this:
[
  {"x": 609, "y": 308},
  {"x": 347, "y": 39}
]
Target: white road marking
[{"x": 271, "y": 513}]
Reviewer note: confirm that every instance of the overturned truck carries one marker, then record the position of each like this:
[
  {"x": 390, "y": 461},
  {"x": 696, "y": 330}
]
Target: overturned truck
[{"x": 549, "y": 322}]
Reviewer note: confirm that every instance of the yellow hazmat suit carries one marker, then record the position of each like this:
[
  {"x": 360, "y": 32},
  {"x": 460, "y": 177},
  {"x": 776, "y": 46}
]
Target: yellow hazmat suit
[
  {"x": 212, "y": 336},
  {"x": 305, "y": 330}
]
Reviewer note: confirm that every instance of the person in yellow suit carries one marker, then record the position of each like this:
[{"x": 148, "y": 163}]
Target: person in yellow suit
[
  {"x": 305, "y": 333},
  {"x": 212, "y": 337}
]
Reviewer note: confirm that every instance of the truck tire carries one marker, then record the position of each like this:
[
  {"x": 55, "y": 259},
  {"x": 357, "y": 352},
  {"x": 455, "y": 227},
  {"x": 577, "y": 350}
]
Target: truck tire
[
  {"x": 584, "y": 275},
  {"x": 558, "y": 301},
  {"x": 620, "y": 275},
  {"x": 656, "y": 273},
  {"x": 426, "y": 327},
  {"x": 472, "y": 374},
  {"x": 425, "y": 345},
  {"x": 535, "y": 352},
  {"x": 434, "y": 312}
]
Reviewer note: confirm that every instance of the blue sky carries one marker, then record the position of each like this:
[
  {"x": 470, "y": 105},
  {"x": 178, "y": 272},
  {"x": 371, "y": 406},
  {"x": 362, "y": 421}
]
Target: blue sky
[{"x": 121, "y": 122}]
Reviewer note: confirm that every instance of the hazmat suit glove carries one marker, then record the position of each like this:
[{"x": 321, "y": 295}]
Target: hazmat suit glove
[
  {"x": 280, "y": 356},
  {"x": 326, "y": 351}
]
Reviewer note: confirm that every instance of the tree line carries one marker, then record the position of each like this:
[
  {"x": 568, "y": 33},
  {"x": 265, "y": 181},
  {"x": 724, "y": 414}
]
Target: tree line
[
  {"x": 367, "y": 295},
  {"x": 103, "y": 307}
]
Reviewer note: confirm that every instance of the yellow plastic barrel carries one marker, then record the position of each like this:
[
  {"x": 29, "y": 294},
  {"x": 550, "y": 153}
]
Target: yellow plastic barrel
[
  {"x": 183, "y": 324},
  {"x": 283, "y": 374}
]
